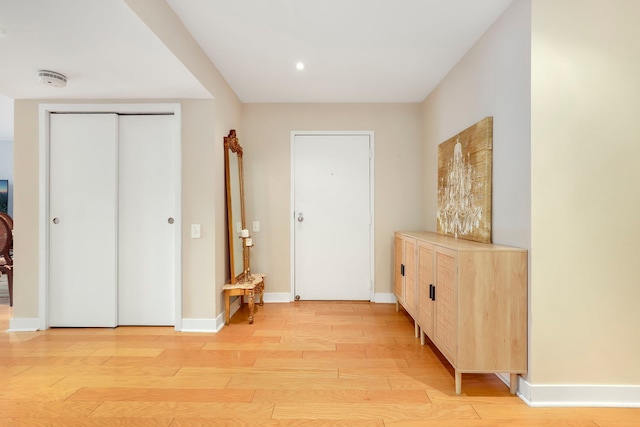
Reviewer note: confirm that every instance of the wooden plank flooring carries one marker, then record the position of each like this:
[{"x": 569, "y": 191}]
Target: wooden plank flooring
[{"x": 304, "y": 363}]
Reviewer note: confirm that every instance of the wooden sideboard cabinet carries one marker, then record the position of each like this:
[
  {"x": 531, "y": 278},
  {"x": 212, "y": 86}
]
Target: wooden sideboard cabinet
[{"x": 471, "y": 301}]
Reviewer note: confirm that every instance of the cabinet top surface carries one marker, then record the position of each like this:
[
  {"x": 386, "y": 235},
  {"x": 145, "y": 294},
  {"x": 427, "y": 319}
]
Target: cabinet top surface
[{"x": 456, "y": 243}]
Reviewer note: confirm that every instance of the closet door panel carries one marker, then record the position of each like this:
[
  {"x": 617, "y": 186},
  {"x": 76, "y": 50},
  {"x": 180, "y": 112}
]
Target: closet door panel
[
  {"x": 146, "y": 274},
  {"x": 82, "y": 215}
]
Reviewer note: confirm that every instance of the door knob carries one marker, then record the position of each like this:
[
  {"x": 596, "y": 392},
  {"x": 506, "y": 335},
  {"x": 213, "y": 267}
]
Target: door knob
[
  {"x": 300, "y": 217},
  {"x": 56, "y": 220},
  {"x": 170, "y": 220}
]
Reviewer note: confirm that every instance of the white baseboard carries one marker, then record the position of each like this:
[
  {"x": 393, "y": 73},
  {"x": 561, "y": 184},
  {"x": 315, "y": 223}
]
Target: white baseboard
[
  {"x": 23, "y": 324},
  {"x": 565, "y": 395},
  {"x": 386, "y": 298},
  {"x": 199, "y": 325},
  {"x": 209, "y": 325},
  {"x": 286, "y": 297}
]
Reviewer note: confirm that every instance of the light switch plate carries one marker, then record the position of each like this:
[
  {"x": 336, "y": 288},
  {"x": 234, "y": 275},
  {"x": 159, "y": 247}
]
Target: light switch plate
[
  {"x": 195, "y": 231},
  {"x": 256, "y": 226}
]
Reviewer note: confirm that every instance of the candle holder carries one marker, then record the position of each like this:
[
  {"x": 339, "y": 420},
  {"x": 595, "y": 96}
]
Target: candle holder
[{"x": 247, "y": 242}]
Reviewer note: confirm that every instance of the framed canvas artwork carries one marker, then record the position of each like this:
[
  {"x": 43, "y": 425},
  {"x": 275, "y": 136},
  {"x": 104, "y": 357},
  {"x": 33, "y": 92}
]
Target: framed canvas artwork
[{"x": 464, "y": 183}]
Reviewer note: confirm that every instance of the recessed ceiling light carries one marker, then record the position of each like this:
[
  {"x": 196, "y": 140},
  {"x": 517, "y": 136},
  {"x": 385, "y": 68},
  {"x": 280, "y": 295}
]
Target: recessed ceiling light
[{"x": 300, "y": 66}]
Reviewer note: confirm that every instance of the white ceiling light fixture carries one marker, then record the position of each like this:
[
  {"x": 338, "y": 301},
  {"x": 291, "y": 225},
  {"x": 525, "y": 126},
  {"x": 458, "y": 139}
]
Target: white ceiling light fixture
[
  {"x": 300, "y": 65},
  {"x": 52, "y": 78}
]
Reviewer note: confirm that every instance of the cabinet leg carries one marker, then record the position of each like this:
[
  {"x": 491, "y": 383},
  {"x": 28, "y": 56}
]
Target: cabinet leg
[
  {"x": 397, "y": 307},
  {"x": 417, "y": 329},
  {"x": 513, "y": 383},
  {"x": 422, "y": 338},
  {"x": 458, "y": 383}
]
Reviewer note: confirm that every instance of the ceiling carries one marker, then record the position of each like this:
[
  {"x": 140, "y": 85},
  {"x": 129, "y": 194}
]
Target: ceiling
[{"x": 353, "y": 50}]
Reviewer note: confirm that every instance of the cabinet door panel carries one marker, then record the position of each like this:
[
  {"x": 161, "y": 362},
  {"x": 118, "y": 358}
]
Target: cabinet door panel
[
  {"x": 446, "y": 335},
  {"x": 410, "y": 293},
  {"x": 397, "y": 288},
  {"x": 426, "y": 313}
]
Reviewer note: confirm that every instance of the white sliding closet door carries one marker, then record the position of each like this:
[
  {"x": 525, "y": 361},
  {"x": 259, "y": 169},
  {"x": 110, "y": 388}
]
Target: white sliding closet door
[
  {"x": 112, "y": 234},
  {"x": 83, "y": 217},
  {"x": 146, "y": 266}
]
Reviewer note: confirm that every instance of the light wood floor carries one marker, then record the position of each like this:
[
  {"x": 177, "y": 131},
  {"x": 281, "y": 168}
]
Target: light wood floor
[{"x": 299, "y": 364}]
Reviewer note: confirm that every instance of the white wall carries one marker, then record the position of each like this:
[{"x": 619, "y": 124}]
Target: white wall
[
  {"x": 585, "y": 196},
  {"x": 493, "y": 79},
  {"x": 398, "y": 182}
]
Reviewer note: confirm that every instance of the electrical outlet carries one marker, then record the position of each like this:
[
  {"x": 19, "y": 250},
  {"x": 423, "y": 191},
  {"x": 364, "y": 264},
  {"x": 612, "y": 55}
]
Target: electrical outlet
[
  {"x": 195, "y": 231},
  {"x": 256, "y": 226}
]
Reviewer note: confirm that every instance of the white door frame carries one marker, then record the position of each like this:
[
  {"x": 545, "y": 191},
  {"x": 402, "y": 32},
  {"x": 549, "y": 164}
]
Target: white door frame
[
  {"x": 45, "y": 110},
  {"x": 292, "y": 219}
]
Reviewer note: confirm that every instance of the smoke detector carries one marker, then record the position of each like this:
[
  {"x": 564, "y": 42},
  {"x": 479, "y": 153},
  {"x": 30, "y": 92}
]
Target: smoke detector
[{"x": 51, "y": 78}]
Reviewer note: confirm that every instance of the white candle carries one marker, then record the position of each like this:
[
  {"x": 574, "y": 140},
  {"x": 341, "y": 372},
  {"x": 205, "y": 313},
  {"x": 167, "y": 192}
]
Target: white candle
[
  {"x": 249, "y": 241},
  {"x": 244, "y": 233}
]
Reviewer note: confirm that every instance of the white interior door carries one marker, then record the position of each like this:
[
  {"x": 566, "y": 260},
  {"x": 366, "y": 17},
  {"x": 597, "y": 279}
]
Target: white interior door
[
  {"x": 82, "y": 227},
  {"x": 332, "y": 218},
  {"x": 146, "y": 266}
]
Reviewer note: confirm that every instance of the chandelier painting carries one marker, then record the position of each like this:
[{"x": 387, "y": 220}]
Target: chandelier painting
[
  {"x": 458, "y": 209},
  {"x": 464, "y": 183}
]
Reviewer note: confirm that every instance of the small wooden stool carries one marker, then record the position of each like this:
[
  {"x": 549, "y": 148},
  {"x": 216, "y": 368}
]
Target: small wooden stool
[{"x": 244, "y": 289}]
